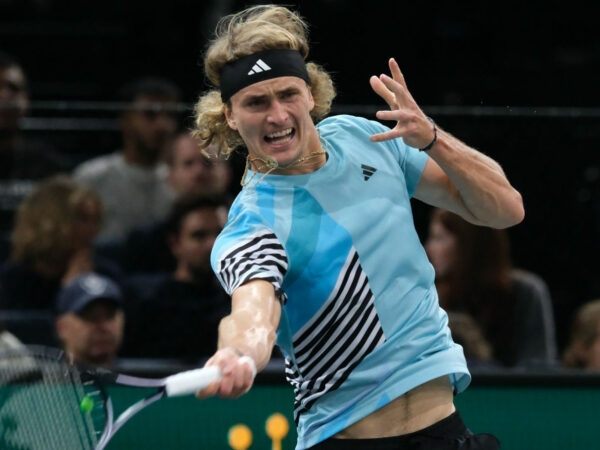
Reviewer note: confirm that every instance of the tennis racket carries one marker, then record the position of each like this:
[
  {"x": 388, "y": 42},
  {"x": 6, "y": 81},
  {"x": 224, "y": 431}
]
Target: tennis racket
[{"x": 48, "y": 403}]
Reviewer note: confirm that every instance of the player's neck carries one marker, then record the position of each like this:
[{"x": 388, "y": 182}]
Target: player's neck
[{"x": 307, "y": 162}]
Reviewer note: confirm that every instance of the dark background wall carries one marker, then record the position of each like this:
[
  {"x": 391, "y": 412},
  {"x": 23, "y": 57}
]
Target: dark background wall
[
  {"x": 467, "y": 52},
  {"x": 517, "y": 80}
]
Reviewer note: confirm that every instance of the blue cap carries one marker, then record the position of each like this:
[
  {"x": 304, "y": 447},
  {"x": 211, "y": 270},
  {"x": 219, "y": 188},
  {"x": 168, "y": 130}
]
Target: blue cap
[{"x": 84, "y": 290}]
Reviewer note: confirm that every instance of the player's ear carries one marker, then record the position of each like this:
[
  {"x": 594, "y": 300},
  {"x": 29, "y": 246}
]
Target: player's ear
[{"x": 229, "y": 116}]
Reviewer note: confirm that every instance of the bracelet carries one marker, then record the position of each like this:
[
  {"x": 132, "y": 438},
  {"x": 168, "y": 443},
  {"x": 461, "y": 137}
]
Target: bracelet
[{"x": 432, "y": 143}]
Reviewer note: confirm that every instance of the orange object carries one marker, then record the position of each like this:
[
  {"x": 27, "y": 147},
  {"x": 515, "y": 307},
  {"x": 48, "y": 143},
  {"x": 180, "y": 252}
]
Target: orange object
[
  {"x": 277, "y": 427},
  {"x": 240, "y": 437}
]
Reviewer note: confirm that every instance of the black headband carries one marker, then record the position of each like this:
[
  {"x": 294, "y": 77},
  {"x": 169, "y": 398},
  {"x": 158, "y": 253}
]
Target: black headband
[{"x": 261, "y": 66}]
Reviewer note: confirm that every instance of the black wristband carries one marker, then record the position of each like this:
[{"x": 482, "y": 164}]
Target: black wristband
[{"x": 432, "y": 143}]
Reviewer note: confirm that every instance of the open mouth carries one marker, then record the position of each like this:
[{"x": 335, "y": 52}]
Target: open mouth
[{"x": 280, "y": 137}]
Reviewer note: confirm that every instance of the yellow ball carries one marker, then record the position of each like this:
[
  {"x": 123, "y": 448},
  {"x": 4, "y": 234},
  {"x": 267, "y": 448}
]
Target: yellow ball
[
  {"x": 86, "y": 405},
  {"x": 240, "y": 437}
]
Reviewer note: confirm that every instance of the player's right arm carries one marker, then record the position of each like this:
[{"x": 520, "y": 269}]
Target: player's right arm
[{"x": 246, "y": 338}]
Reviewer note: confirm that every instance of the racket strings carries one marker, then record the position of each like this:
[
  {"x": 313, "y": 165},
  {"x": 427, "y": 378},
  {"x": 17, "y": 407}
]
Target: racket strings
[{"x": 44, "y": 411}]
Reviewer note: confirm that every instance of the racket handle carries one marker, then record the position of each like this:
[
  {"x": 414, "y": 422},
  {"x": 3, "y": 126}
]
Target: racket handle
[{"x": 190, "y": 381}]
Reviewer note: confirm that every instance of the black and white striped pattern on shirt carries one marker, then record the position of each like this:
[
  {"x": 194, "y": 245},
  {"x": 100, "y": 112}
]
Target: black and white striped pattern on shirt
[
  {"x": 345, "y": 330},
  {"x": 261, "y": 257}
]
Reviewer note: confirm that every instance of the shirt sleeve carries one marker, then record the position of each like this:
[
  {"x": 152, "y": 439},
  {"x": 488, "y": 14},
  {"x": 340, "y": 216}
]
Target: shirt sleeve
[
  {"x": 414, "y": 164},
  {"x": 246, "y": 251},
  {"x": 412, "y": 161}
]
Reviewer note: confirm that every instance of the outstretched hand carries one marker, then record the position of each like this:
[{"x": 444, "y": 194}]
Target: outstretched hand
[{"x": 412, "y": 125}]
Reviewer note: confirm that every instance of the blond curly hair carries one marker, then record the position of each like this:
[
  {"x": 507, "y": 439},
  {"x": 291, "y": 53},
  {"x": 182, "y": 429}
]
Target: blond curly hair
[
  {"x": 45, "y": 222},
  {"x": 584, "y": 332},
  {"x": 262, "y": 27}
]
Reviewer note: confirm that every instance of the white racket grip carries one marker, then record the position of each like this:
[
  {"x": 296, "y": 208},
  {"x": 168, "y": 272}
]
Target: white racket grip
[{"x": 191, "y": 381}]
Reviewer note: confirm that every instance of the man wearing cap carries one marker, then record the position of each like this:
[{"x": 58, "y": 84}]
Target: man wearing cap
[{"x": 90, "y": 319}]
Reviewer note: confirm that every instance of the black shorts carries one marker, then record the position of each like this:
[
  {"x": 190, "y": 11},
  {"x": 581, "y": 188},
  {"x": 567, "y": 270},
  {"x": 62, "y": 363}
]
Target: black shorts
[{"x": 447, "y": 434}]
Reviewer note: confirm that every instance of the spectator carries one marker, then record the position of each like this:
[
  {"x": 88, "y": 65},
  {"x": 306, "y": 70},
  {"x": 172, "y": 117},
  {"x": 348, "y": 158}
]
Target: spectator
[
  {"x": 90, "y": 320},
  {"x": 583, "y": 349},
  {"x": 23, "y": 160},
  {"x": 474, "y": 275},
  {"x": 52, "y": 243},
  {"x": 131, "y": 181},
  {"x": 190, "y": 173},
  {"x": 190, "y": 297}
]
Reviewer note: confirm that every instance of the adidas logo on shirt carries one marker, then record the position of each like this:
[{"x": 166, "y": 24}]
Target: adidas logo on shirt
[
  {"x": 367, "y": 171},
  {"x": 259, "y": 66}
]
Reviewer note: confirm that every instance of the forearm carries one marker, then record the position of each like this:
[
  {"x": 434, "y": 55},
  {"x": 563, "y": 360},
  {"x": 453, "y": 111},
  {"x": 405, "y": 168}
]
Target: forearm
[
  {"x": 478, "y": 188},
  {"x": 248, "y": 332},
  {"x": 251, "y": 327}
]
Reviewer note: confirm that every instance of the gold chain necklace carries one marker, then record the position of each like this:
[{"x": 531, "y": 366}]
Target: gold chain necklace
[{"x": 270, "y": 164}]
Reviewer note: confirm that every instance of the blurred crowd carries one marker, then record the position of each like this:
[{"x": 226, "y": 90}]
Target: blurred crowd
[{"x": 110, "y": 258}]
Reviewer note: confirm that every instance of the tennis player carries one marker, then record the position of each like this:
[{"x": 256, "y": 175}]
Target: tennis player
[{"x": 320, "y": 254}]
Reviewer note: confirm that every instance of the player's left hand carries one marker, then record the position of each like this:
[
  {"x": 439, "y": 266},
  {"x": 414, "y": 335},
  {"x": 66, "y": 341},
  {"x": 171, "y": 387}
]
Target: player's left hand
[{"x": 412, "y": 125}]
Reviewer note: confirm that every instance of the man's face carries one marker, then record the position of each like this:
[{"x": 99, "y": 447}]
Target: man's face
[
  {"x": 193, "y": 245},
  {"x": 193, "y": 173},
  {"x": 93, "y": 335},
  {"x": 273, "y": 118},
  {"x": 13, "y": 97},
  {"x": 150, "y": 124}
]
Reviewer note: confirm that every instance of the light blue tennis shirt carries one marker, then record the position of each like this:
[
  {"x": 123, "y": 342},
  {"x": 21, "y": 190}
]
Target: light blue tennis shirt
[{"x": 361, "y": 324}]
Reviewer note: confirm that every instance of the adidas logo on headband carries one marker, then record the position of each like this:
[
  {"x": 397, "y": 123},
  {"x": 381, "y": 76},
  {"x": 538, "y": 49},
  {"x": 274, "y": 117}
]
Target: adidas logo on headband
[{"x": 258, "y": 67}]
